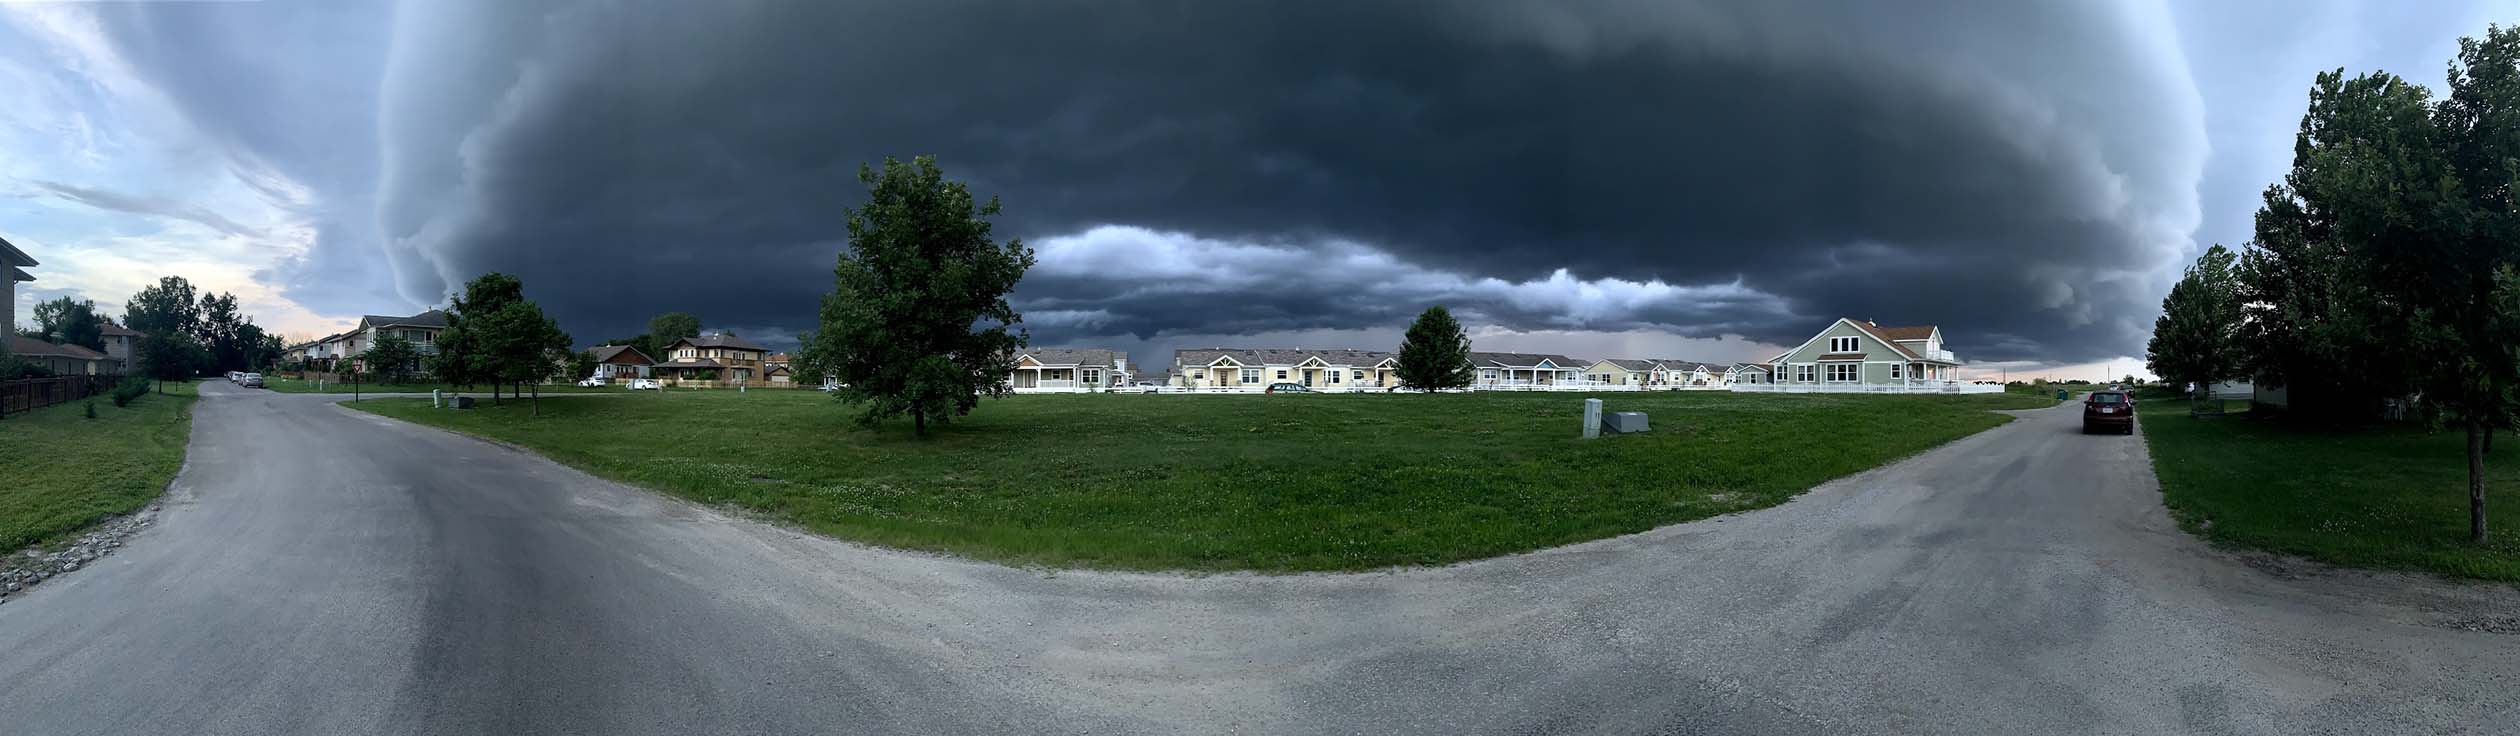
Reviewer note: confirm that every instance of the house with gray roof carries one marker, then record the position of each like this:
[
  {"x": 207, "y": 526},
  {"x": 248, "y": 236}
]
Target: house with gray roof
[
  {"x": 620, "y": 361},
  {"x": 710, "y": 359},
  {"x": 1526, "y": 370},
  {"x": 1860, "y": 356},
  {"x": 1254, "y": 369},
  {"x": 1068, "y": 370}
]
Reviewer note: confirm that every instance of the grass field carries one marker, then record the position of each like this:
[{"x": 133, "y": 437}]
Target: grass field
[
  {"x": 60, "y": 471},
  {"x": 2390, "y": 498},
  {"x": 1272, "y": 483},
  {"x": 296, "y": 386}
]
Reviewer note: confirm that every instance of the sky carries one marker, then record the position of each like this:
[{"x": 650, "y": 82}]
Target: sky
[{"x": 1660, "y": 179}]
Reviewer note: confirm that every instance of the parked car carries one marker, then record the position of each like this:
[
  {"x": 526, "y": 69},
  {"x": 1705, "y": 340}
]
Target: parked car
[
  {"x": 249, "y": 380},
  {"x": 590, "y": 382},
  {"x": 1288, "y": 388},
  {"x": 2109, "y": 410},
  {"x": 1145, "y": 387},
  {"x": 232, "y": 376},
  {"x": 645, "y": 384}
]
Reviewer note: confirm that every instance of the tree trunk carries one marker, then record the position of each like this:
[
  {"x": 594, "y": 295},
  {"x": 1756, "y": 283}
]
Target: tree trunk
[
  {"x": 918, "y": 425},
  {"x": 2476, "y": 481},
  {"x": 537, "y": 399},
  {"x": 2489, "y": 439}
]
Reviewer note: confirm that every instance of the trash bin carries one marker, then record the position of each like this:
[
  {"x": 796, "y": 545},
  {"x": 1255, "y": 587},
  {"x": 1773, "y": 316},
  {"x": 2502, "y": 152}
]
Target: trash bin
[{"x": 2061, "y": 395}]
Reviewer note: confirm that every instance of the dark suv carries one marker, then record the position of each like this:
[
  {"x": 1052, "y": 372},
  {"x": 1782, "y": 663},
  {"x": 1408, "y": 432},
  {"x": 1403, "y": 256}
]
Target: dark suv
[{"x": 2109, "y": 409}]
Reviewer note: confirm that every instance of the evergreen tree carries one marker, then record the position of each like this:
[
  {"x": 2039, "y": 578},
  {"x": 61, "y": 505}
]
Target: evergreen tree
[{"x": 1435, "y": 354}]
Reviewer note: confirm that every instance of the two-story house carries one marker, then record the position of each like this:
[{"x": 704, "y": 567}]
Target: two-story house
[
  {"x": 716, "y": 357},
  {"x": 1859, "y": 355},
  {"x": 421, "y": 330},
  {"x": 121, "y": 344},
  {"x": 621, "y": 361}
]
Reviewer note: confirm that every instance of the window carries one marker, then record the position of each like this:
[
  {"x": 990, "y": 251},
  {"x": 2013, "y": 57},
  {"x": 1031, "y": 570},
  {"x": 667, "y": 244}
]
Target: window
[
  {"x": 1844, "y": 372},
  {"x": 1281, "y": 374},
  {"x": 1334, "y": 376},
  {"x": 1250, "y": 375},
  {"x": 1802, "y": 373},
  {"x": 1844, "y": 345},
  {"x": 1360, "y": 375},
  {"x": 1093, "y": 376},
  {"x": 1196, "y": 374},
  {"x": 1487, "y": 374},
  {"x": 1894, "y": 370}
]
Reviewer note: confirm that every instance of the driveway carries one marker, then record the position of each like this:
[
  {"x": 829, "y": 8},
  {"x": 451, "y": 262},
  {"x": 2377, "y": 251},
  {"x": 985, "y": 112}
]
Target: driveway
[{"x": 322, "y": 571}]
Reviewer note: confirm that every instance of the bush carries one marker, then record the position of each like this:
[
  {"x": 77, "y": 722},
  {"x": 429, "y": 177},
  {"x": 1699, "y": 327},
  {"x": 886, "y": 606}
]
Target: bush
[
  {"x": 131, "y": 388},
  {"x": 91, "y": 408}
]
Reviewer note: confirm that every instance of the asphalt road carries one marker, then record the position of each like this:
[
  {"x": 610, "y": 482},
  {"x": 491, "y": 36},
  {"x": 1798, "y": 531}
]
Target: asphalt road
[{"x": 321, "y": 571}]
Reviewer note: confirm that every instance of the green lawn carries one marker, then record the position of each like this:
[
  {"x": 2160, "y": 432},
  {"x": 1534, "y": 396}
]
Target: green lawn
[
  {"x": 60, "y": 471},
  {"x": 1272, "y": 483},
  {"x": 296, "y": 386},
  {"x": 2392, "y": 498}
]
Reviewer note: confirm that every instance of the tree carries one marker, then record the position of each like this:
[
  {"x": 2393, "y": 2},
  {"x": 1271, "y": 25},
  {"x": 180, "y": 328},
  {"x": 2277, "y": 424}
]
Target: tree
[
  {"x": 65, "y": 322},
  {"x": 2459, "y": 284},
  {"x": 167, "y": 308},
  {"x": 462, "y": 349},
  {"x": 2365, "y": 181},
  {"x": 172, "y": 356},
  {"x": 1435, "y": 353},
  {"x": 582, "y": 364},
  {"x": 392, "y": 358},
  {"x": 665, "y": 328},
  {"x": 522, "y": 346},
  {"x": 918, "y": 321},
  {"x": 2197, "y": 337}
]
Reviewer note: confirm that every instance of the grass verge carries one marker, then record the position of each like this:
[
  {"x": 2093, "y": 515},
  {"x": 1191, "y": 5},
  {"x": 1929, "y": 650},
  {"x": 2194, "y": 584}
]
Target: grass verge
[
  {"x": 2387, "y": 498},
  {"x": 1270, "y": 483},
  {"x": 63, "y": 471}
]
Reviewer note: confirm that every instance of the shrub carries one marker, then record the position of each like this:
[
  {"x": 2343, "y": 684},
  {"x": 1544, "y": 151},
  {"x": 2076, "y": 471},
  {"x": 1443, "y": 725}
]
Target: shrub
[
  {"x": 91, "y": 408},
  {"x": 131, "y": 388}
]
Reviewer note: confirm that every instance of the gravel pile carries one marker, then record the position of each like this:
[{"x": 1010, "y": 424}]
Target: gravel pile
[{"x": 26, "y": 567}]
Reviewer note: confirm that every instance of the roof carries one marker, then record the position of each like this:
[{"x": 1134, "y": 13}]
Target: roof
[
  {"x": 11, "y": 256},
  {"x": 1634, "y": 364},
  {"x": 110, "y": 329},
  {"x": 19, "y": 274},
  {"x": 1841, "y": 356},
  {"x": 609, "y": 354},
  {"x": 1875, "y": 331},
  {"x": 23, "y": 345},
  {"x": 1279, "y": 356},
  {"x": 1071, "y": 356},
  {"x": 778, "y": 370},
  {"x": 1924, "y": 332},
  {"x": 1760, "y": 367},
  {"x": 1523, "y": 360},
  {"x": 431, "y": 318},
  {"x": 719, "y": 341}
]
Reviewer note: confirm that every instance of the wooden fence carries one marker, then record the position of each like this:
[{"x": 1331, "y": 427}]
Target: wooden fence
[{"x": 17, "y": 397}]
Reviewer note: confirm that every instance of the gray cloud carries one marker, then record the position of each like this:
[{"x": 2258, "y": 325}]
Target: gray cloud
[
  {"x": 2023, "y": 175},
  {"x": 142, "y": 204}
]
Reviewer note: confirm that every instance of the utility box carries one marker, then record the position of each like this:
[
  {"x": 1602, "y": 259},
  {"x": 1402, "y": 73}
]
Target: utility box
[
  {"x": 461, "y": 402},
  {"x": 1624, "y": 422}
]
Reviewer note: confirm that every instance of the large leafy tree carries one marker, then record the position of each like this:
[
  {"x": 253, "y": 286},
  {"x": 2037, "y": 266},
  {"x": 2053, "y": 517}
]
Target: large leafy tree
[
  {"x": 2197, "y": 338},
  {"x": 918, "y": 321},
  {"x": 462, "y": 349},
  {"x": 665, "y": 328},
  {"x": 521, "y": 346},
  {"x": 172, "y": 356},
  {"x": 393, "y": 359},
  {"x": 67, "y": 322},
  {"x": 2366, "y": 179},
  {"x": 2459, "y": 283},
  {"x": 1435, "y": 353},
  {"x": 168, "y": 307}
]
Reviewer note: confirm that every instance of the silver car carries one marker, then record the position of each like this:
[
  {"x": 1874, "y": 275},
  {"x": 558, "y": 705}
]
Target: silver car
[{"x": 249, "y": 380}]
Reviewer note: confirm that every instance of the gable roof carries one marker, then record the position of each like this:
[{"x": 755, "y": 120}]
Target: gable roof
[
  {"x": 1869, "y": 329},
  {"x": 431, "y": 318},
  {"x": 1920, "y": 332},
  {"x": 110, "y": 329},
  {"x": 718, "y": 341},
  {"x": 28, "y": 346},
  {"x": 1072, "y": 356},
  {"x": 1523, "y": 360},
  {"x": 12, "y": 257},
  {"x": 621, "y": 355},
  {"x": 1633, "y": 364},
  {"x": 1255, "y": 357}
]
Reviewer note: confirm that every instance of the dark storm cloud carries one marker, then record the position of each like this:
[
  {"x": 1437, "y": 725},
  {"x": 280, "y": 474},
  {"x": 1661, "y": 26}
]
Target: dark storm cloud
[{"x": 2021, "y": 175}]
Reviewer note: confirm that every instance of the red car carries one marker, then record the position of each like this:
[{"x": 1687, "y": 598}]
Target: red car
[{"x": 2109, "y": 409}]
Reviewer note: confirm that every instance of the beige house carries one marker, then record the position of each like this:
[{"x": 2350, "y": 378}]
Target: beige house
[
  {"x": 1626, "y": 372},
  {"x": 1068, "y": 370},
  {"x": 62, "y": 360},
  {"x": 421, "y": 330},
  {"x": 1239, "y": 369},
  {"x": 720, "y": 357},
  {"x": 121, "y": 343}
]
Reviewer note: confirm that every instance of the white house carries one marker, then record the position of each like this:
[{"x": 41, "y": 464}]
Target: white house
[
  {"x": 1058, "y": 370},
  {"x": 1527, "y": 370},
  {"x": 1240, "y": 369}
]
